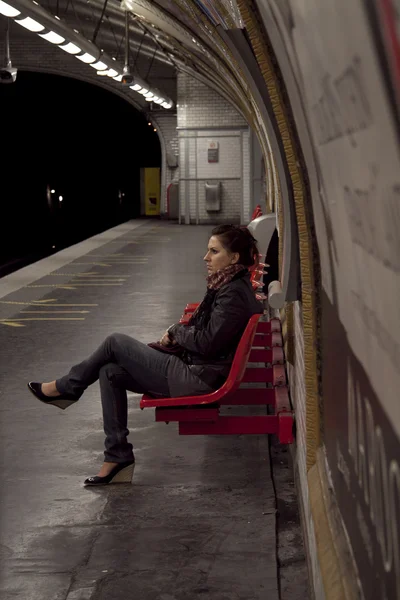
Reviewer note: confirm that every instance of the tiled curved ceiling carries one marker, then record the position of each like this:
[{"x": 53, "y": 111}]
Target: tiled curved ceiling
[
  {"x": 146, "y": 56},
  {"x": 189, "y": 32},
  {"x": 166, "y": 36}
]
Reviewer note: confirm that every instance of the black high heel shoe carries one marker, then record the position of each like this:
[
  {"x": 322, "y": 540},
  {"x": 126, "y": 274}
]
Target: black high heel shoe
[
  {"x": 62, "y": 401},
  {"x": 121, "y": 473}
]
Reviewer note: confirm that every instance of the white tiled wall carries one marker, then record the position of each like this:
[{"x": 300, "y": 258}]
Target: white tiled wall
[
  {"x": 247, "y": 177},
  {"x": 199, "y": 106},
  {"x": 165, "y": 123},
  {"x": 230, "y": 156},
  {"x": 204, "y": 116}
]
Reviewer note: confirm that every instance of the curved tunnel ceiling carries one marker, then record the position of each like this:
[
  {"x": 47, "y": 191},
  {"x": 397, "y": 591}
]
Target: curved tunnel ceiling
[{"x": 164, "y": 37}]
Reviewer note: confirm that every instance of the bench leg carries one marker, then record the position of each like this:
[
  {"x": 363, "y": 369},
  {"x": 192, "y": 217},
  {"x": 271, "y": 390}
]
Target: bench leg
[{"x": 285, "y": 427}]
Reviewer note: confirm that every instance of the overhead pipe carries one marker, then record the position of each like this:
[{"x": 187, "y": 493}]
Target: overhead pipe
[{"x": 127, "y": 76}]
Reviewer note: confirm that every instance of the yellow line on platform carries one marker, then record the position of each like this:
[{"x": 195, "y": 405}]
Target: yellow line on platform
[
  {"x": 94, "y": 273},
  {"x": 88, "y": 275},
  {"x": 127, "y": 261},
  {"x": 43, "y": 319},
  {"x": 52, "y": 312},
  {"x": 91, "y": 263},
  {"x": 61, "y": 286},
  {"x": 43, "y": 302},
  {"x": 67, "y": 286},
  {"x": 120, "y": 255}
]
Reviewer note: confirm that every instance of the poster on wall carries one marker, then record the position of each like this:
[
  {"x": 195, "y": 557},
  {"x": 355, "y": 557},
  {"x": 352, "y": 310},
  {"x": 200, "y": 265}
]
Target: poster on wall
[
  {"x": 350, "y": 98},
  {"x": 384, "y": 18},
  {"x": 152, "y": 191}
]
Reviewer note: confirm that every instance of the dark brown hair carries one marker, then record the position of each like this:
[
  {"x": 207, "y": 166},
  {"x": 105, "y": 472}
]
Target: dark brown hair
[{"x": 238, "y": 239}]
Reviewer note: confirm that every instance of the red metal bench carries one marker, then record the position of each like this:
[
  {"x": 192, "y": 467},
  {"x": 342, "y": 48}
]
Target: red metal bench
[
  {"x": 257, "y": 212},
  {"x": 201, "y": 414}
]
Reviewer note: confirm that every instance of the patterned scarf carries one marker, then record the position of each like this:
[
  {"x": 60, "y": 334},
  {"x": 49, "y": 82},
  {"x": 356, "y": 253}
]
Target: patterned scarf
[{"x": 223, "y": 276}]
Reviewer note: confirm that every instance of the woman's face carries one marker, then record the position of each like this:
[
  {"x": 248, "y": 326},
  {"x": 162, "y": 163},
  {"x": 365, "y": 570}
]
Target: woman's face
[{"x": 218, "y": 257}]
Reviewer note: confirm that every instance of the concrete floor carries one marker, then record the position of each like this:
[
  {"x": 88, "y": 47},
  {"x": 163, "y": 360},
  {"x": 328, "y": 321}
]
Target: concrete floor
[{"x": 199, "y": 519}]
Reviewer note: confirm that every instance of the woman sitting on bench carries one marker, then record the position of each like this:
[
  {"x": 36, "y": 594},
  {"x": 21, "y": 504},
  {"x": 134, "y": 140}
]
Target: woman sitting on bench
[{"x": 194, "y": 359}]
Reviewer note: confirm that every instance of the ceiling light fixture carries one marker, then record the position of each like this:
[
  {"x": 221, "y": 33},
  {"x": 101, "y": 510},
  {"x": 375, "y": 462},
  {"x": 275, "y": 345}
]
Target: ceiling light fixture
[
  {"x": 86, "y": 58},
  {"x": 99, "y": 65},
  {"x": 52, "y": 37},
  {"x": 71, "y": 48},
  {"x": 30, "y": 24},
  {"x": 7, "y": 10}
]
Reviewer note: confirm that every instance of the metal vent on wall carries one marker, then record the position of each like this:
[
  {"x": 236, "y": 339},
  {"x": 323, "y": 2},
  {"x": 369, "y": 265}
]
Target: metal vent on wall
[{"x": 213, "y": 196}]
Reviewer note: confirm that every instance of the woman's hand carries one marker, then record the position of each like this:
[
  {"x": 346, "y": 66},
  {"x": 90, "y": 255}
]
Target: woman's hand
[{"x": 166, "y": 340}]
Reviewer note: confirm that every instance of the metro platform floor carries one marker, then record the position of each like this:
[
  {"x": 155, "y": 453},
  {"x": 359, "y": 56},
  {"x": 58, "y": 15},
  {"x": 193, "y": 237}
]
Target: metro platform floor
[{"x": 199, "y": 519}]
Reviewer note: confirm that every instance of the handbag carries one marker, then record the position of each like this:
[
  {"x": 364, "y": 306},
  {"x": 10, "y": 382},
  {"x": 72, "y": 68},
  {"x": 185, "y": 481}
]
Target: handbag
[{"x": 176, "y": 349}]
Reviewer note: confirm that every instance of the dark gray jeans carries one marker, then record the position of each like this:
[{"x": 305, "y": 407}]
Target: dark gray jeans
[{"x": 120, "y": 363}]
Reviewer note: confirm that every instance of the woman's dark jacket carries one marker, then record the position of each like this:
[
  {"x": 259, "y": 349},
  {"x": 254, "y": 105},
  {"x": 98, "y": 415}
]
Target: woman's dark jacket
[{"x": 213, "y": 334}]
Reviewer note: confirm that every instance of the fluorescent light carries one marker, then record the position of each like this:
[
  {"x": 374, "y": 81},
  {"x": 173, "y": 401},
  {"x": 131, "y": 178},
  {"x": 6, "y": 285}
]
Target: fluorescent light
[
  {"x": 166, "y": 105},
  {"x": 52, "y": 37},
  {"x": 99, "y": 66},
  {"x": 118, "y": 78},
  {"x": 149, "y": 95},
  {"x": 143, "y": 91},
  {"x": 87, "y": 58},
  {"x": 71, "y": 48},
  {"x": 7, "y": 10},
  {"x": 159, "y": 100},
  {"x": 30, "y": 24},
  {"x": 136, "y": 87},
  {"x": 111, "y": 73},
  {"x": 155, "y": 98}
]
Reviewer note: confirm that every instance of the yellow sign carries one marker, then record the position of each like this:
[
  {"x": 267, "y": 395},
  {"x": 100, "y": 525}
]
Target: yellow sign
[{"x": 152, "y": 191}]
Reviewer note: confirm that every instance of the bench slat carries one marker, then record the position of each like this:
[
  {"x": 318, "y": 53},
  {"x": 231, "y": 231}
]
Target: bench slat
[
  {"x": 268, "y": 340},
  {"x": 274, "y": 325},
  {"x": 275, "y": 375},
  {"x": 273, "y": 356},
  {"x": 256, "y": 425},
  {"x": 182, "y": 414},
  {"x": 250, "y": 397}
]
